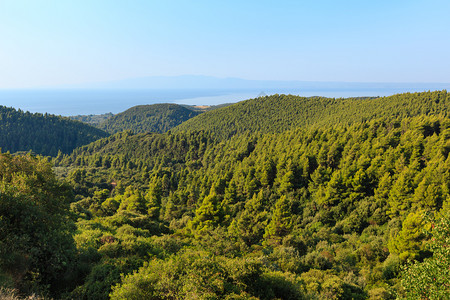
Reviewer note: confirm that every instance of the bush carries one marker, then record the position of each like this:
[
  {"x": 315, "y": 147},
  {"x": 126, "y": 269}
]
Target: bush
[{"x": 430, "y": 279}]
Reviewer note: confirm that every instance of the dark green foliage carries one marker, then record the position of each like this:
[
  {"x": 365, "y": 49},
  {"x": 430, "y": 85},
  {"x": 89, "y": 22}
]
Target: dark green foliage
[
  {"x": 36, "y": 245},
  {"x": 43, "y": 133},
  {"x": 148, "y": 118},
  {"x": 103, "y": 276},
  {"x": 281, "y": 223}
]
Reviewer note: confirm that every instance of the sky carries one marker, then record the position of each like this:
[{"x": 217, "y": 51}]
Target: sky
[{"x": 59, "y": 42}]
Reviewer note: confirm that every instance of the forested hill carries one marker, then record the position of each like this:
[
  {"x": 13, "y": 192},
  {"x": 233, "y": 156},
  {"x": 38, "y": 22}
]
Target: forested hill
[
  {"x": 277, "y": 113},
  {"x": 148, "y": 118},
  {"x": 334, "y": 212},
  {"x": 43, "y": 133}
]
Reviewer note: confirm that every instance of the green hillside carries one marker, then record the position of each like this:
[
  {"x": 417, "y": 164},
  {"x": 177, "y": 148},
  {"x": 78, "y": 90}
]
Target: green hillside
[
  {"x": 43, "y": 133},
  {"x": 335, "y": 210},
  {"x": 358, "y": 208},
  {"x": 148, "y": 118},
  {"x": 277, "y": 113}
]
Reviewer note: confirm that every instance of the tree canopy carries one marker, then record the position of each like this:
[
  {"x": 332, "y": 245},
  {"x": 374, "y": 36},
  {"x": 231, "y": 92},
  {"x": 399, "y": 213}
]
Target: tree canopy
[
  {"x": 314, "y": 198},
  {"x": 148, "y": 118},
  {"x": 43, "y": 133},
  {"x": 36, "y": 231}
]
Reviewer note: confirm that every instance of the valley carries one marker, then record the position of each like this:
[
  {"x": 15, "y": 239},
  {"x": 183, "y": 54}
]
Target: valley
[{"x": 277, "y": 197}]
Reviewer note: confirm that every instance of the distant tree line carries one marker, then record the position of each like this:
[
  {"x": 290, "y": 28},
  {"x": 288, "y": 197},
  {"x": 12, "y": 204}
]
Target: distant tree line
[
  {"x": 43, "y": 133},
  {"x": 93, "y": 120}
]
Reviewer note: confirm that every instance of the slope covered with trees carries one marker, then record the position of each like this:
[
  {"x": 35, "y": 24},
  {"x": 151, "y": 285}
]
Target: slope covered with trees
[
  {"x": 329, "y": 212},
  {"x": 37, "y": 249},
  {"x": 148, "y": 118},
  {"x": 337, "y": 211},
  {"x": 43, "y": 133},
  {"x": 277, "y": 113}
]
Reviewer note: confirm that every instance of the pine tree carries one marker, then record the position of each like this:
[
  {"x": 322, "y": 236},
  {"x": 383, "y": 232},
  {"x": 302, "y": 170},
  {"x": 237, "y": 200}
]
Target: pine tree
[{"x": 281, "y": 223}]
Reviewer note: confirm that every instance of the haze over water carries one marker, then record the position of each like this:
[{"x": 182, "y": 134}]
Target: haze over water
[{"x": 67, "y": 102}]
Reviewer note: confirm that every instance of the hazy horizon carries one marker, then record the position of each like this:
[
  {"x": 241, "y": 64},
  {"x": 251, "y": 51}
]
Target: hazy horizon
[
  {"x": 99, "y": 56},
  {"x": 48, "y": 44},
  {"x": 69, "y": 102},
  {"x": 188, "y": 81}
]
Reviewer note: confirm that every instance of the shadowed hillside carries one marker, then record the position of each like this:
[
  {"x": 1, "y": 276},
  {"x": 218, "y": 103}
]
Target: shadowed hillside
[
  {"x": 43, "y": 133},
  {"x": 148, "y": 118}
]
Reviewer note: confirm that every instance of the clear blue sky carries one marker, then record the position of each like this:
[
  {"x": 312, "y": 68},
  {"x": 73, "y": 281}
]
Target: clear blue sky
[{"x": 46, "y": 43}]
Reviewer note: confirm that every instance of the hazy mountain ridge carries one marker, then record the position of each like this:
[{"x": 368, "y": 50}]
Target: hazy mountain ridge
[{"x": 210, "y": 82}]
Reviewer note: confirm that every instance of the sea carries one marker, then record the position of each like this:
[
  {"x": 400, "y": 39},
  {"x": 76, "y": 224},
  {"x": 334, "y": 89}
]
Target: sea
[{"x": 71, "y": 102}]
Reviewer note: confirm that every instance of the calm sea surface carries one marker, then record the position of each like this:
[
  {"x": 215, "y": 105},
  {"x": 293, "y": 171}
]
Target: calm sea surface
[{"x": 84, "y": 102}]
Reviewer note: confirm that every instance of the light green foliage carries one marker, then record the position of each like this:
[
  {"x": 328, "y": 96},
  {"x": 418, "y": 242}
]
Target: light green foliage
[
  {"x": 428, "y": 194},
  {"x": 408, "y": 242},
  {"x": 198, "y": 275},
  {"x": 401, "y": 193},
  {"x": 208, "y": 215},
  {"x": 36, "y": 245},
  {"x": 153, "y": 199},
  {"x": 132, "y": 201},
  {"x": 326, "y": 285},
  {"x": 119, "y": 245},
  {"x": 430, "y": 279}
]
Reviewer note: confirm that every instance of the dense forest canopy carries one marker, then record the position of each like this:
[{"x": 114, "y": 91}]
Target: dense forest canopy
[
  {"x": 43, "y": 133},
  {"x": 296, "y": 198},
  {"x": 277, "y": 113},
  {"x": 148, "y": 118}
]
